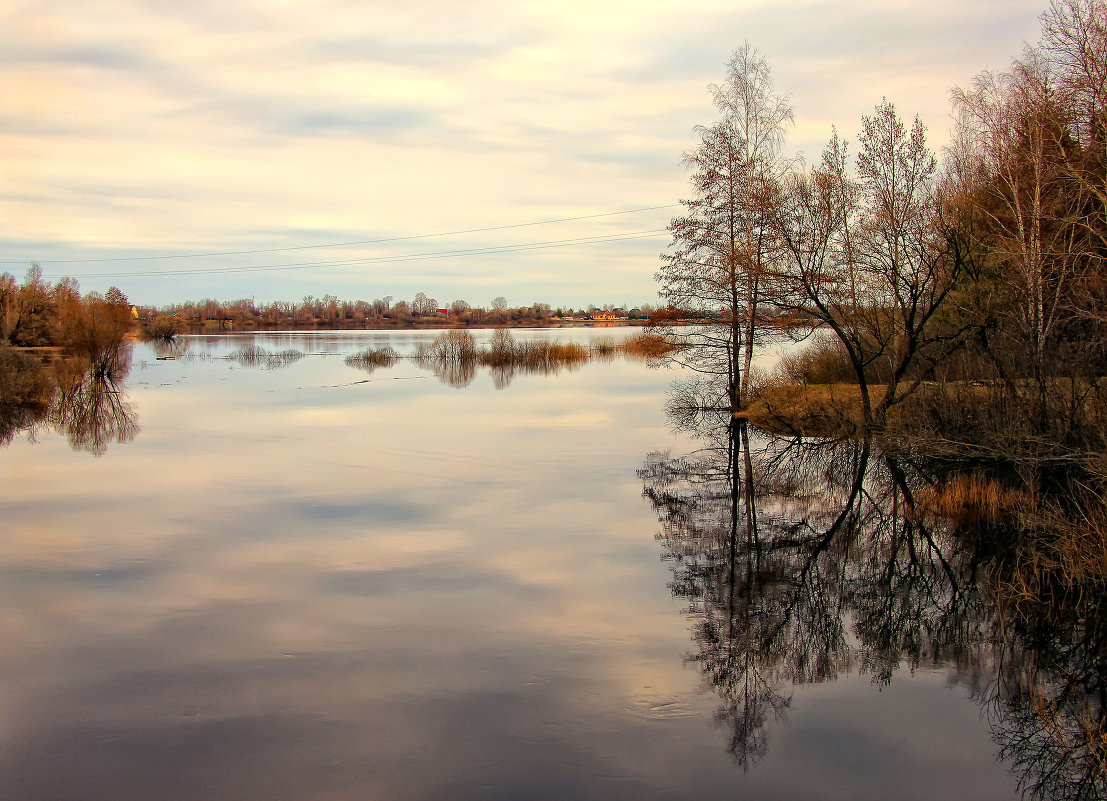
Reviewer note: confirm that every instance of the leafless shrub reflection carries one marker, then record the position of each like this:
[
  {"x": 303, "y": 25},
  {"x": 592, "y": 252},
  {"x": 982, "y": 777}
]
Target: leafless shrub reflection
[
  {"x": 785, "y": 548},
  {"x": 169, "y": 347},
  {"x": 27, "y": 389},
  {"x": 94, "y": 413}
]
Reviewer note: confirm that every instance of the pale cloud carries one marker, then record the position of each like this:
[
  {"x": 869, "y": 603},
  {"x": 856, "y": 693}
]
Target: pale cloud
[{"x": 134, "y": 127}]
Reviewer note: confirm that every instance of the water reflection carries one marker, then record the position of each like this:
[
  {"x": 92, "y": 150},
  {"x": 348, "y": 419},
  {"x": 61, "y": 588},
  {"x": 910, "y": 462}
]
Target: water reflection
[
  {"x": 174, "y": 348},
  {"x": 27, "y": 388},
  {"x": 802, "y": 561},
  {"x": 86, "y": 405},
  {"x": 94, "y": 413}
]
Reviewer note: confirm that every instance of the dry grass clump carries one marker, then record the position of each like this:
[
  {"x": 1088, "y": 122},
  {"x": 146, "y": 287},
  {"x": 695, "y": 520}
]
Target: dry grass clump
[
  {"x": 504, "y": 351},
  {"x": 791, "y": 410},
  {"x": 647, "y": 345},
  {"x": 603, "y": 347},
  {"x": 1071, "y": 545},
  {"x": 538, "y": 356},
  {"x": 973, "y": 500},
  {"x": 372, "y": 359}
]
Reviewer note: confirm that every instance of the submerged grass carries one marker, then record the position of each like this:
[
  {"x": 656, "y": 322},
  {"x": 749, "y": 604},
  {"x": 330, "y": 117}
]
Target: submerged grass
[
  {"x": 372, "y": 359},
  {"x": 254, "y": 356}
]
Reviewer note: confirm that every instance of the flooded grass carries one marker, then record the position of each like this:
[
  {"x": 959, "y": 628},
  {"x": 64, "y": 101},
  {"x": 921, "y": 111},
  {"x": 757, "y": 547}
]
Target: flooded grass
[
  {"x": 974, "y": 500},
  {"x": 372, "y": 359},
  {"x": 255, "y": 356}
]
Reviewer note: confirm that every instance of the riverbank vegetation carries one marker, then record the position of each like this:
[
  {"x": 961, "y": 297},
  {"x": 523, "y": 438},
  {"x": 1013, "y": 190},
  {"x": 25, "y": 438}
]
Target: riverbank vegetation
[
  {"x": 62, "y": 354},
  {"x": 958, "y": 305},
  {"x": 954, "y": 312},
  {"x": 985, "y": 268}
]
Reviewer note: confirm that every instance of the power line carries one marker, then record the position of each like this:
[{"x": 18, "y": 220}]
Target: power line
[
  {"x": 344, "y": 244},
  {"x": 491, "y": 250}
]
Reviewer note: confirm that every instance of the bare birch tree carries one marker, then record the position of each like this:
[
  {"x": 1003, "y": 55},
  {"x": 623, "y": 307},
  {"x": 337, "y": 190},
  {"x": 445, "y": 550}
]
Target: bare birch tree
[
  {"x": 1009, "y": 152},
  {"x": 722, "y": 245}
]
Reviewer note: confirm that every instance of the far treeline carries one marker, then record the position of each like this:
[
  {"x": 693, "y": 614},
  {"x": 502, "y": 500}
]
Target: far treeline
[
  {"x": 330, "y": 311},
  {"x": 980, "y": 279}
]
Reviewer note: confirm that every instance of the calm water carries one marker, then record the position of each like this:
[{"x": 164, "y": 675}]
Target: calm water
[{"x": 309, "y": 581}]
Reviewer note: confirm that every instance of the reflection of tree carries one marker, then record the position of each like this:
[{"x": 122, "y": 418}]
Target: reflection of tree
[
  {"x": 1048, "y": 706},
  {"x": 785, "y": 548},
  {"x": 169, "y": 348},
  {"x": 1051, "y": 730},
  {"x": 27, "y": 390},
  {"x": 93, "y": 412},
  {"x": 765, "y": 589},
  {"x": 452, "y": 372},
  {"x": 85, "y": 404}
]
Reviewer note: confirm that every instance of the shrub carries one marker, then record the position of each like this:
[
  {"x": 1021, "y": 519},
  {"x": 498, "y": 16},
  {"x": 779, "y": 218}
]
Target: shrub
[
  {"x": 372, "y": 359},
  {"x": 822, "y": 362},
  {"x": 647, "y": 345},
  {"x": 456, "y": 345}
]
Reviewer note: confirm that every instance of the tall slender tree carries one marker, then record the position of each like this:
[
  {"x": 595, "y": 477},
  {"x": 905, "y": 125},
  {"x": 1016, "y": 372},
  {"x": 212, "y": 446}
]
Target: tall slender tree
[{"x": 722, "y": 245}]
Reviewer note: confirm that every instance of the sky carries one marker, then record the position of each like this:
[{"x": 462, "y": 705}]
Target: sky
[{"x": 532, "y": 150}]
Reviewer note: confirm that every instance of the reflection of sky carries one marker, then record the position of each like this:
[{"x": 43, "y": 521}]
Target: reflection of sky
[{"x": 291, "y": 585}]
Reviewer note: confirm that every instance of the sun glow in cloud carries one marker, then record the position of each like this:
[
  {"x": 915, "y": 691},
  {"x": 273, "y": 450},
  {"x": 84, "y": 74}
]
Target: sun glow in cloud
[{"x": 137, "y": 127}]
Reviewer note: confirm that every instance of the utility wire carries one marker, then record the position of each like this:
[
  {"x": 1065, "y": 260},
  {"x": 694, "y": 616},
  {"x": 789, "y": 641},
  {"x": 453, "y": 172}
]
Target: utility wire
[
  {"x": 344, "y": 244},
  {"x": 595, "y": 240}
]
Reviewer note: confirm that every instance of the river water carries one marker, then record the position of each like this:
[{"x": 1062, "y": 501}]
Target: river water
[{"x": 293, "y": 578}]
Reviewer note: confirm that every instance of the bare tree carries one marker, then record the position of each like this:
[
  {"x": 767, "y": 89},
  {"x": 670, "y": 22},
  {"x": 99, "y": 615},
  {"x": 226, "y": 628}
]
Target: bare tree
[
  {"x": 871, "y": 257},
  {"x": 903, "y": 255},
  {"x": 723, "y": 243},
  {"x": 1074, "y": 41},
  {"x": 1009, "y": 155}
]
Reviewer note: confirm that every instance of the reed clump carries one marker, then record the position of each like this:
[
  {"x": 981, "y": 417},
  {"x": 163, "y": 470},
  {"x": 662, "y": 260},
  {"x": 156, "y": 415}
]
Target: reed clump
[
  {"x": 603, "y": 347},
  {"x": 973, "y": 500},
  {"x": 537, "y": 356},
  {"x": 372, "y": 359},
  {"x": 648, "y": 346}
]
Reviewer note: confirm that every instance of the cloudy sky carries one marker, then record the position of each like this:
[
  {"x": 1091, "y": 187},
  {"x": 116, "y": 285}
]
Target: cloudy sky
[{"x": 525, "y": 149}]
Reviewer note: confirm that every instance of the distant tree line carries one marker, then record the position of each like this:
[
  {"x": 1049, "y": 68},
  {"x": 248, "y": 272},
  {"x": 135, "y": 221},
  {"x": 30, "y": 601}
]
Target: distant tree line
[{"x": 329, "y": 311}]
